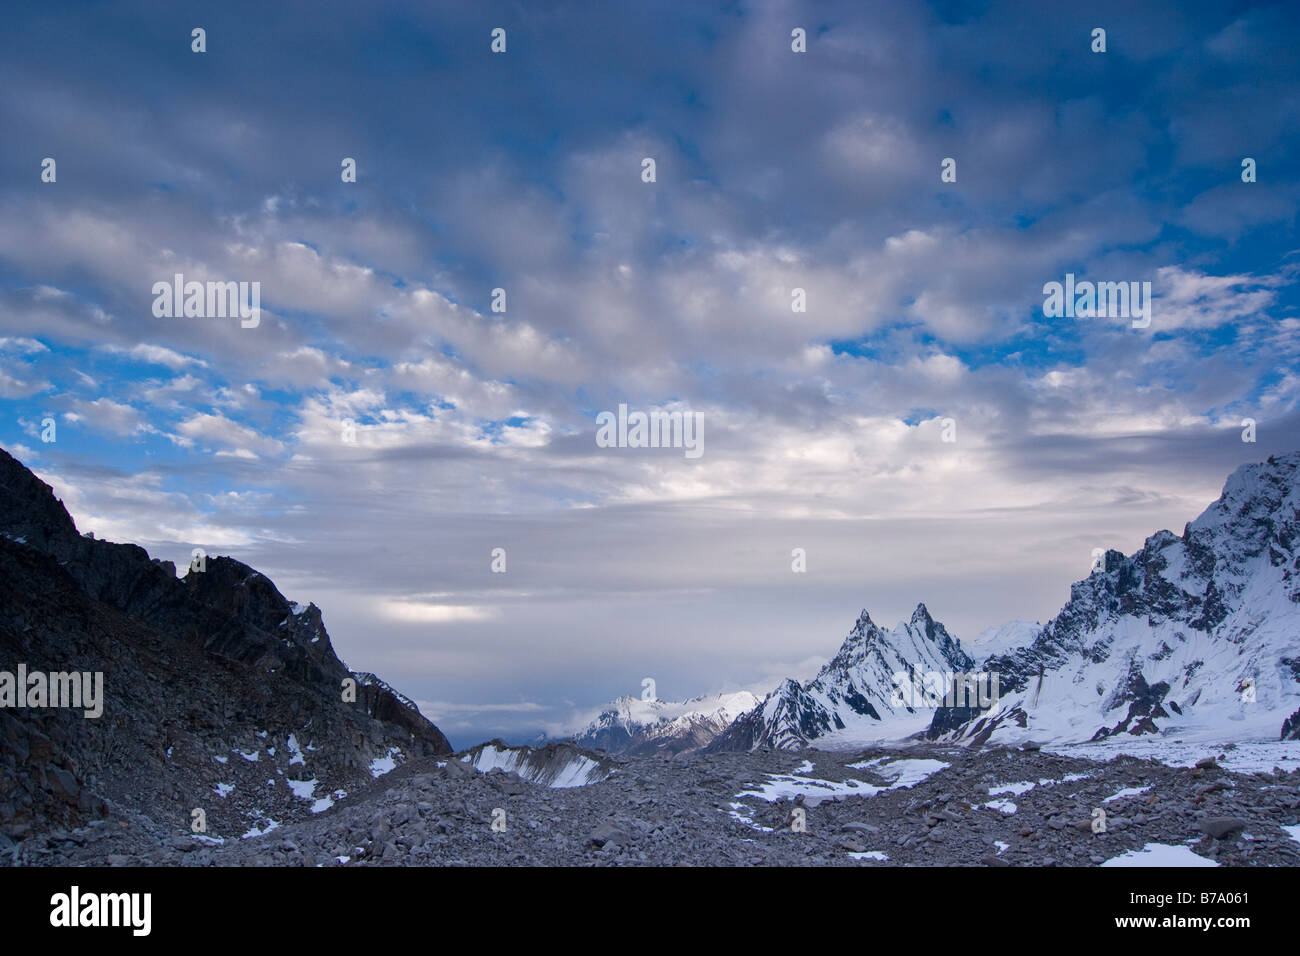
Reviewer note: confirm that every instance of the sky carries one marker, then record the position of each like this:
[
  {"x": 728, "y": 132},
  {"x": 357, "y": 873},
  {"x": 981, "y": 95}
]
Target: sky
[{"x": 922, "y": 430}]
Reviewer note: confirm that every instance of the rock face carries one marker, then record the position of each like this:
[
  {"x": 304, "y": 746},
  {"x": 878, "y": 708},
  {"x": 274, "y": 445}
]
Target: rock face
[
  {"x": 558, "y": 765},
  {"x": 1196, "y": 633},
  {"x": 219, "y": 695},
  {"x": 634, "y": 726},
  {"x": 854, "y": 696}
]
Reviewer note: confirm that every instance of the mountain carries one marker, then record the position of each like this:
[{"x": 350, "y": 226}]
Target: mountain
[
  {"x": 854, "y": 697},
  {"x": 556, "y": 764},
  {"x": 634, "y": 726},
  {"x": 1004, "y": 637},
  {"x": 218, "y": 694},
  {"x": 1197, "y": 635}
]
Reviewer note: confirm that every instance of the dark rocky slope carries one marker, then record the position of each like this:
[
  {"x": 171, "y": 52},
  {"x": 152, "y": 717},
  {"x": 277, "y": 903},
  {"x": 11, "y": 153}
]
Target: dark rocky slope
[{"x": 217, "y": 695}]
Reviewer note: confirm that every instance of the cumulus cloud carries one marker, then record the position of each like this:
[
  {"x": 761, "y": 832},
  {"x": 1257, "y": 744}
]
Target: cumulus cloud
[
  {"x": 384, "y": 428},
  {"x": 157, "y": 355},
  {"x": 226, "y": 436}
]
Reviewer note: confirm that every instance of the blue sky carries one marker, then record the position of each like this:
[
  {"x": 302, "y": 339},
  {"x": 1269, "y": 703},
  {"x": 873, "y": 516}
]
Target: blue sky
[{"x": 522, "y": 170}]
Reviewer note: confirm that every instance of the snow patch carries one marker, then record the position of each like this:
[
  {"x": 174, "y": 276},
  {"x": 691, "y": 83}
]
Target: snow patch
[
  {"x": 1015, "y": 789},
  {"x": 303, "y": 789},
  {"x": 255, "y": 832},
  {"x": 1126, "y": 792},
  {"x": 324, "y": 803},
  {"x": 901, "y": 774},
  {"x": 871, "y": 855},
  {"x": 1160, "y": 854},
  {"x": 382, "y": 765}
]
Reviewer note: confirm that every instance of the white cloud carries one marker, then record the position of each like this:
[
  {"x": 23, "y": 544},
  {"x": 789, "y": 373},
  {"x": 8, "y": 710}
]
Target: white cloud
[
  {"x": 230, "y": 435},
  {"x": 416, "y": 612},
  {"x": 157, "y": 355},
  {"x": 1187, "y": 298},
  {"x": 104, "y": 414}
]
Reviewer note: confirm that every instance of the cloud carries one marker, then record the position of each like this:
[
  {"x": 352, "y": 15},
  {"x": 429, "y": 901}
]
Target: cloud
[
  {"x": 1191, "y": 299},
  {"x": 383, "y": 429},
  {"x": 228, "y": 436},
  {"x": 22, "y": 346},
  {"x": 157, "y": 355},
  {"x": 106, "y": 415},
  {"x": 11, "y": 386},
  {"x": 414, "y": 612}
]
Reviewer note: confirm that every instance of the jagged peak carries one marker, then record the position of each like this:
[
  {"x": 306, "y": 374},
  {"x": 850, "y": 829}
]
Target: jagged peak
[
  {"x": 29, "y": 506},
  {"x": 368, "y": 679},
  {"x": 1160, "y": 540},
  {"x": 1265, "y": 483},
  {"x": 786, "y": 688}
]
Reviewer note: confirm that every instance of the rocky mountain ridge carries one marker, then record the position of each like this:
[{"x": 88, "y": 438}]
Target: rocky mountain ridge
[
  {"x": 856, "y": 695},
  {"x": 634, "y": 726},
  {"x": 1197, "y": 635},
  {"x": 220, "y": 695}
]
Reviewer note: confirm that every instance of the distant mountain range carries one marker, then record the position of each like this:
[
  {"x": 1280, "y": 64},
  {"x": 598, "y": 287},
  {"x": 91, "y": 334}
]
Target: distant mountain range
[
  {"x": 854, "y": 696},
  {"x": 634, "y": 726},
  {"x": 1197, "y": 634},
  {"x": 221, "y": 695}
]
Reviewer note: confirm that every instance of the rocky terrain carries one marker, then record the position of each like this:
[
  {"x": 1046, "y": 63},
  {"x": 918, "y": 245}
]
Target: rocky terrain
[
  {"x": 219, "y": 694},
  {"x": 923, "y": 806},
  {"x": 232, "y": 735}
]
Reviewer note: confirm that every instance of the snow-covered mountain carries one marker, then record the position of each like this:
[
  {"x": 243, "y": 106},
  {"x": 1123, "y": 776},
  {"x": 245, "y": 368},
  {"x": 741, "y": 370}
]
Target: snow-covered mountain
[
  {"x": 558, "y": 765},
  {"x": 631, "y": 725},
  {"x": 1197, "y": 635},
  {"x": 854, "y": 697},
  {"x": 1003, "y": 638}
]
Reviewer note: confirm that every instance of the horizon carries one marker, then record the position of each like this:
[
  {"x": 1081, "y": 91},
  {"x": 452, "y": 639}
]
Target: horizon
[
  {"x": 581, "y": 719},
  {"x": 858, "y": 386}
]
